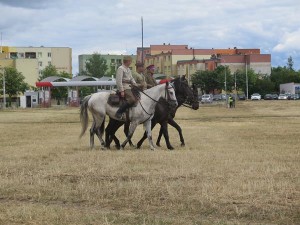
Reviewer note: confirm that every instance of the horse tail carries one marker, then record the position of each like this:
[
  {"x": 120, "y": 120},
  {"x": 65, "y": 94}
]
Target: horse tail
[{"x": 84, "y": 116}]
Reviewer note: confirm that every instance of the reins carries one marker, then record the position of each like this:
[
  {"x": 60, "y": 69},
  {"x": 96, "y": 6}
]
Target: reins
[
  {"x": 188, "y": 106},
  {"x": 140, "y": 90}
]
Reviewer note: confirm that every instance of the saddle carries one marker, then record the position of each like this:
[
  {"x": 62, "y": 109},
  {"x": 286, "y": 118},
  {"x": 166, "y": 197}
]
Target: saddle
[{"x": 115, "y": 100}]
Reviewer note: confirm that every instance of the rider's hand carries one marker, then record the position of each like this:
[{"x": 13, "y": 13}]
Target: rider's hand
[{"x": 122, "y": 94}]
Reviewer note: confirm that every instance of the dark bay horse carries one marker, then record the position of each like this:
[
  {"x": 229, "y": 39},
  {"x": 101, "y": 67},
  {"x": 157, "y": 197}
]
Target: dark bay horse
[{"x": 164, "y": 115}]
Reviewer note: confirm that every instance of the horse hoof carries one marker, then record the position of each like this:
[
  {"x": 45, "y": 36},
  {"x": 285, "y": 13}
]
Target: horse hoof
[
  {"x": 182, "y": 144},
  {"x": 170, "y": 148},
  {"x": 118, "y": 147},
  {"x": 158, "y": 145}
]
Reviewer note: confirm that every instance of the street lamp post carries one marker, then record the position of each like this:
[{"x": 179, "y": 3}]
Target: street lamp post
[
  {"x": 4, "y": 98},
  {"x": 225, "y": 84}
]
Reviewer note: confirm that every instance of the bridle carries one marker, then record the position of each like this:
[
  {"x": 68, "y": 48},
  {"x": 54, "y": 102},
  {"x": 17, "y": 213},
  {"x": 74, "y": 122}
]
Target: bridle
[
  {"x": 187, "y": 99},
  {"x": 167, "y": 96}
]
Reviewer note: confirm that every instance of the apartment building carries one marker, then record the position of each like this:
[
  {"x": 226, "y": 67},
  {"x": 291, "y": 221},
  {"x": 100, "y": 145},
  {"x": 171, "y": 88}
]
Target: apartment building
[
  {"x": 173, "y": 60},
  {"x": 30, "y": 61},
  {"x": 260, "y": 63}
]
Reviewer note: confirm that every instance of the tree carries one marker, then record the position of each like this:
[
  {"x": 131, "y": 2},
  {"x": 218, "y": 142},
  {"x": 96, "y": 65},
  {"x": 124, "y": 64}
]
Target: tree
[
  {"x": 209, "y": 81},
  {"x": 281, "y": 75},
  {"x": 264, "y": 86},
  {"x": 61, "y": 92},
  {"x": 48, "y": 72},
  {"x": 14, "y": 83},
  {"x": 290, "y": 63},
  {"x": 220, "y": 76},
  {"x": 202, "y": 79},
  {"x": 95, "y": 66},
  {"x": 58, "y": 92},
  {"x": 241, "y": 84}
]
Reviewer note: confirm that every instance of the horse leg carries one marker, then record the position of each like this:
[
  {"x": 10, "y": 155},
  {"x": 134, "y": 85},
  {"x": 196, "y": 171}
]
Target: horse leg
[
  {"x": 172, "y": 122},
  {"x": 139, "y": 144},
  {"x": 99, "y": 133},
  {"x": 126, "y": 130},
  {"x": 164, "y": 128},
  {"x": 148, "y": 127},
  {"x": 110, "y": 131},
  {"x": 159, "y": 136},
  {"x": 92, "y": 133},
  {"x": 132, "y": 128}
]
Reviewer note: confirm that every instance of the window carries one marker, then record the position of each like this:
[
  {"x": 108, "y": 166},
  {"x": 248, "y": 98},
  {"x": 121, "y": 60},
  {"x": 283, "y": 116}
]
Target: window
[
  {"x": 30, "y": 55},
  {"x": 21, "y": 55},
  {"x": 40, "y": 63},
  {"x": 112, "y": 60},
  {"x": 49, "y": 54},
  {"x": 13, "y": 55}
]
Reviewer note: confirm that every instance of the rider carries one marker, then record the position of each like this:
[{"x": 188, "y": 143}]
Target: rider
[
  {"x": 124, "y": 81},
  {"x": 139, "y": 77},
  {"x": 150, "y": 80}
]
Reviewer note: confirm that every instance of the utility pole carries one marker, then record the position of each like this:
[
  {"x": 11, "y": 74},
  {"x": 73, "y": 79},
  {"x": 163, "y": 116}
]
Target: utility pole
[
  {"x": 3, "y": 72},
  {"x": 1, "y": 44},
  {"x": 246, "y": 80},
  {"x": 4, "y": 94},
  {"x": 142, "y": 40}
]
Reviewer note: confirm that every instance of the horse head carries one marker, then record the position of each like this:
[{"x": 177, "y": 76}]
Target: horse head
[
  {"x": 170, "y": 95},
  {"x": 185, "y": 94}
]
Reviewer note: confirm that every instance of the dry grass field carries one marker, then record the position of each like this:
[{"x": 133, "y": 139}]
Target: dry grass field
[{"x": 239, "y": 166}]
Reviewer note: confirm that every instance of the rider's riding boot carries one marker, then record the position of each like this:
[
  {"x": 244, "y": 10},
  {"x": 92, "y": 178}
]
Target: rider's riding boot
[{"x": 121, "y": 110}]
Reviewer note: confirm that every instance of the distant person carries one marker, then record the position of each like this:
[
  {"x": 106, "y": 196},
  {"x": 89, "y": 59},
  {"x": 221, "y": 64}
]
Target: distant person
[
  {"x": 230, "y": 101},
  {"x": 139, "y": 76},
  {"x": 150, "y": 80},
  {"x": 124, "y": 82},
  {"x": 233, "y": 102}
]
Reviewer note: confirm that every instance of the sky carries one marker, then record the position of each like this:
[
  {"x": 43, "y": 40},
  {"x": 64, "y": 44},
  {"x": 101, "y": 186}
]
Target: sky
[{"x": 114, "y": 26}]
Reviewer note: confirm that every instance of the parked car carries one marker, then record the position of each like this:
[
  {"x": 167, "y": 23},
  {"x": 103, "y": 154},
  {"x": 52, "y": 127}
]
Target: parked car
[
  {"x": 275, "y": 96},
  {"x": 199, "y": 98},
  {"x": 241, "y": 96},
  {"x": 255, "y": 96},
  {"x": 268, "y": 97},
  {"x": 217, "y": 97},
  {"x": 206, "y": 98},
  {"x": 282, "y": 97},
  {"x": 294, "y": 97},
  {"x": 288, "y": 95},
  {"x": 223, "y": 96}
]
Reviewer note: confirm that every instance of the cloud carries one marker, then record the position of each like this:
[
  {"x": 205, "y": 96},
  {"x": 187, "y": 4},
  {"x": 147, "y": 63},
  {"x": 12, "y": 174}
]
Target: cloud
[
  {"x": 33, "y": 4},
  {"x": 109, "y": 26},
  {"x": 289, "y": 42}
]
